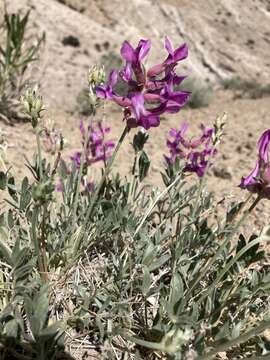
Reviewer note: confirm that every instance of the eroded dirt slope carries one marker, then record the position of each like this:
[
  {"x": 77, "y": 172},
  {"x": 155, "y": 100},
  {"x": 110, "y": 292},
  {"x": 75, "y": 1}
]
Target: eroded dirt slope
[{"x": 226, "y": 38}]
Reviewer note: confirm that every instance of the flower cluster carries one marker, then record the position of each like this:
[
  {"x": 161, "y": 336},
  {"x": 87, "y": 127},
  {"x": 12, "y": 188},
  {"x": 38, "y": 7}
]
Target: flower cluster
[
  {"x": 180, "y": 148},
  {"x": 32, "y": 104},
  {"x": 258, "y": 181},
  {"x": 150, "y": 93},
  {"x": 97, "y": 147},
  {"x": 96, "y": 78}
]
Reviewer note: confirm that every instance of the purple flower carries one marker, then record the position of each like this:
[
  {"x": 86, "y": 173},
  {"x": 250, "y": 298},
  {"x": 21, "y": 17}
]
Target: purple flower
[
  {"x": 175, "y": 55},
  {"x": 76, "y": 157},
  {"x": 145, "y": 88},
  {"x": 97, "y": 147},
  {"x": 173, "y": 58},
  {"x": 258, "y": 181},
  {"x": 196, "y": 160},
  {"x": 90, "y": 185},
  {"x": 143, "y": 117},
  {"x": 59, "y": 186},
  {"x": 134, "y": 59}
]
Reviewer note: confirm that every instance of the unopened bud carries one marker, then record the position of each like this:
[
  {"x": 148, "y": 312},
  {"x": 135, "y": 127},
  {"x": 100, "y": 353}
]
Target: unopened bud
[
  {"x": 219, "y": 125},
  {"x": 96, "y": 76},
  {"x": 92, "y": 97},
  {"x": 38, "y": 105},
  {"x": 26, "y": 106},
  {"x": 33, "y": 104},
  {"x": 139, "y": 140}
]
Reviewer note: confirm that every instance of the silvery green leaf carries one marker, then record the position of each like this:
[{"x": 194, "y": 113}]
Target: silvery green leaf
[
  {"x": 11, "y": 328},
  {"x": 144, "y": 164},
  {"x": 159, "y": 262},
  {"x": 3, "y": 180},
  {"x": 25, "y": 197},
  {"x": 146, "y": 281},
  {"x": 5, "y": 250},
  {"x": 51, "y": 330},
  {"x": 12, "y": 188},
  {"x": 176, "y": 289},
  {"x": 41, "y": 304}
]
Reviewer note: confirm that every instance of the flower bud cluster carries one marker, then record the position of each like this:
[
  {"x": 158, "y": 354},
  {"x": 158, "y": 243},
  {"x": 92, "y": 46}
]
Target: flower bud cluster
[
  {"x": 96, "y": 78},
  {"x": 32, "y": 104}
]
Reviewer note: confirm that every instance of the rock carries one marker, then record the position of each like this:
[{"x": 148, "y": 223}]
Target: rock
[
  {"x": 223, "y": 172},
  {"x": 71, "y": 40}
]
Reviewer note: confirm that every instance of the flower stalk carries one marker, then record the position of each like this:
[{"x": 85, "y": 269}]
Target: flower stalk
[{"x": 105, "y": 174}]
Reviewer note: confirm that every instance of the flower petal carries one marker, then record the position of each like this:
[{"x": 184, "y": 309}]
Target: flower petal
[
  {"x": 113, "y": 76},
  {"x": 126, "y": 73},
  {"x": 102, "y": 92},
  {"x": 137, "y": 101},
  {"x": 150, "y": 121},
  {"x": 155, "y": 70},
  {"x": 263, "y": 144},
  {"x": 127, "y": 52},
  {"x": 168, "y": 46},
  {"x": 180, "y": 53},
  {"x": 250, "y": 181},
  {"x": 143, "y": 49}
]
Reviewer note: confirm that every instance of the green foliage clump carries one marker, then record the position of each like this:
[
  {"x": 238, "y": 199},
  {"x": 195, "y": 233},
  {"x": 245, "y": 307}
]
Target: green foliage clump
[
  {"x": 247, "y": 88},
  {"x": 138, "y": 273},
  {"x": 201, "y": 94},
  {"x": 15, "y": 56}
]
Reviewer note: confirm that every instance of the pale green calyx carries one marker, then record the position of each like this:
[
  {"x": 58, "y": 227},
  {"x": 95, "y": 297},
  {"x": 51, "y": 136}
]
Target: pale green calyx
[
  {"x": 33, "y": 104},
  {"x": 96, "y": 76}
]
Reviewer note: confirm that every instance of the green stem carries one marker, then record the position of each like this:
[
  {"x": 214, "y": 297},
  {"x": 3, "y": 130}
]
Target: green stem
[
  {"x": 42, "y": 246},
  {"x": 39, "y": 152},
  {"x": 201, "y": 185},
  {"x": 43, "y": 267},
  {"x": 153, "y": 204},
  {"x": 264, "y": 325},
  {"x": 105, "y": 174},
  {"x": 134, "y": 177},
  {"x": 36, "y": 241},
  {"x": 97, "y": 190},
  {"x": 134, "y": 164},
  {"x": 75, "y": 206}
]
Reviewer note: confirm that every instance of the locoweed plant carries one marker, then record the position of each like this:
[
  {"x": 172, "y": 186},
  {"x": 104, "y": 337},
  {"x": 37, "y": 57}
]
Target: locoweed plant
[
  {"x": 129, "y": 272},
  {"x": 15, "y": 56}
]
